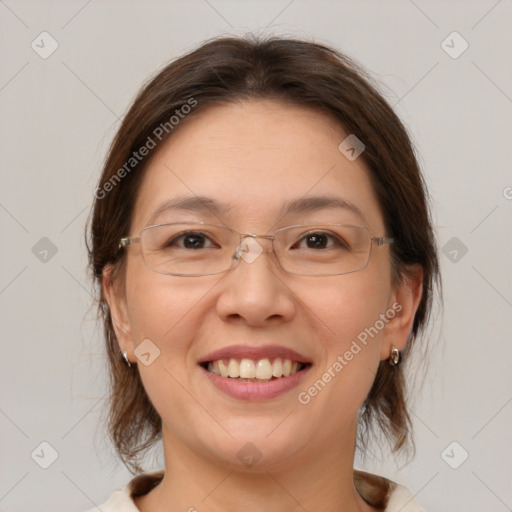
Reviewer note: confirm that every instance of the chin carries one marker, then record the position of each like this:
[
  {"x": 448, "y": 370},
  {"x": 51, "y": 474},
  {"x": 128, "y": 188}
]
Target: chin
[{"x": 257, "y": 449}]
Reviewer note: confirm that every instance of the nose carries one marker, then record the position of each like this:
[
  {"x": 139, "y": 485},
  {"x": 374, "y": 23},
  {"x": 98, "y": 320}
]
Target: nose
[{"x": 254, "y": 290}]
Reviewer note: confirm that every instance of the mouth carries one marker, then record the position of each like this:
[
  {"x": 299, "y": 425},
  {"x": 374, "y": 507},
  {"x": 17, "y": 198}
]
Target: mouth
[
  {"x": 255, "y": 373},
  {"x": 254, "y": 370}
]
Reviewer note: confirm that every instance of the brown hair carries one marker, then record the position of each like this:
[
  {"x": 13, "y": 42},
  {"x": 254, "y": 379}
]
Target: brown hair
[{"x": 293, "y": 71}]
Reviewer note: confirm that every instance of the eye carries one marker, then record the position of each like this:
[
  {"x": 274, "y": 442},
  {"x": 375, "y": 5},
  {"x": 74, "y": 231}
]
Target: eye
[
  {"x": 190, "y": 240},
  {"x": 321, "y": 240}
]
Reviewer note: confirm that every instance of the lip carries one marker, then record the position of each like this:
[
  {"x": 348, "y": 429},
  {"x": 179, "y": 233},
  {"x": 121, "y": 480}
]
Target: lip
[
  {"x": 254, "y": 353},
  {"x": 255, "y": 391}
]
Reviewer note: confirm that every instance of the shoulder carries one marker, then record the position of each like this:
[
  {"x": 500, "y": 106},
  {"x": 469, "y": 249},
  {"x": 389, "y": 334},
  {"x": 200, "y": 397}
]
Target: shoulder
[
  {"x": 121, "y": 500},
  {"x": 385, "y": 494}
]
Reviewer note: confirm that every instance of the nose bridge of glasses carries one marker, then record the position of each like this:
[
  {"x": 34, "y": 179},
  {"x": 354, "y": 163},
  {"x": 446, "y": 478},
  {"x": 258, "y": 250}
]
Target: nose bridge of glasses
[
  {"x": 250, "y": 236},
  {"x": 249, "y": 248}
]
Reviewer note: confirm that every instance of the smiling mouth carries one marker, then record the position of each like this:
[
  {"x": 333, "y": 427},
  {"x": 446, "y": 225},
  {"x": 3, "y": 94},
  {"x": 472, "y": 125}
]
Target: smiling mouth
[{"x": 249, "y": 370}]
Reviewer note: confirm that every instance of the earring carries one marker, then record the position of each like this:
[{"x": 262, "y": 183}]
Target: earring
[
  {"x": 394, "y": 358},
  {"x": 125, "y": 355}
]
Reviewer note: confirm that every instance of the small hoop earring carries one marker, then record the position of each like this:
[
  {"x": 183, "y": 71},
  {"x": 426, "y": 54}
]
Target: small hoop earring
[
  {"x": 394, "y": 358},
  {"x": 125, "y": 355}
]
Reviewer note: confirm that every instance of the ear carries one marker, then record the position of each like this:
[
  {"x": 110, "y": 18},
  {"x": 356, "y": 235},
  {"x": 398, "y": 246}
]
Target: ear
[
  {"x": 115, "y": 296},
  {"x": 404, "y": 301}
]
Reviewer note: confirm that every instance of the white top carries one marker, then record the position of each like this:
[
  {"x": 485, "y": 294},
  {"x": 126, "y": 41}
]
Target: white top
[{"x": 399, "y": 500}]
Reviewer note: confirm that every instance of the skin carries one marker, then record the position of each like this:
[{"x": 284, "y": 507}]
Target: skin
[{"x": 255, "y": 156}]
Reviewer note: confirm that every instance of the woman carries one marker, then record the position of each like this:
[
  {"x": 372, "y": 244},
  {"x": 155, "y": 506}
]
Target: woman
[{"x": 265, "y": 259}]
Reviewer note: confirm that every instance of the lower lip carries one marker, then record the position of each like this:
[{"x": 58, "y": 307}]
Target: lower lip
[{"x": 255, "y": 391}]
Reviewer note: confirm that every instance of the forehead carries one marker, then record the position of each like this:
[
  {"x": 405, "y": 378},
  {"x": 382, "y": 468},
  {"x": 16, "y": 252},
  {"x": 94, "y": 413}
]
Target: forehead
[{"x": 253, "y": 160}]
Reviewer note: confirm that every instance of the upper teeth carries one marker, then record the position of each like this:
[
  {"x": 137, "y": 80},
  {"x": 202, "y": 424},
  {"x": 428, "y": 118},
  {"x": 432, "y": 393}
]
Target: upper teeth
[{"x": 262, "y": 369}]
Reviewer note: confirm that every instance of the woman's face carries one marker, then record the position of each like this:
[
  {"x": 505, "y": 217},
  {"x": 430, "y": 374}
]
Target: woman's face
[{"x": 251, "y": 160}]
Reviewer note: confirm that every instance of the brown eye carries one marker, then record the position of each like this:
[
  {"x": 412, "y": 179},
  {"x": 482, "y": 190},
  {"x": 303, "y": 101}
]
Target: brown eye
[
  {"x": 316, "y": 241},
  {"x": 189, "y": 240},
  {"x": 319, "y": 240}
]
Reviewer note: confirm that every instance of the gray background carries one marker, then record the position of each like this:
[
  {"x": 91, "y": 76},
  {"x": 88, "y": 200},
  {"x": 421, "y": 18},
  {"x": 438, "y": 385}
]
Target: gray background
[{"x": 58, "y": 117}]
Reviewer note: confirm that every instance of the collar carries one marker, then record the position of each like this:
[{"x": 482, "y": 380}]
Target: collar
[{"x": 374, "y": 489}]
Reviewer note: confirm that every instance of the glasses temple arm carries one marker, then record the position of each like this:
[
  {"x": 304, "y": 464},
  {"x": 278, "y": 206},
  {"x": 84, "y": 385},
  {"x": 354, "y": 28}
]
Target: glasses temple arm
[
  {"x": 128, "y": 240},
  {"x": 381, "y": 240}
]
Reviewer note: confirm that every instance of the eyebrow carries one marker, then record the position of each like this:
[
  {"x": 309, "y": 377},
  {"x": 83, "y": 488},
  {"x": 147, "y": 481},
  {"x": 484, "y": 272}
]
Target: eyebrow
[{"x": 203, "y": 204}]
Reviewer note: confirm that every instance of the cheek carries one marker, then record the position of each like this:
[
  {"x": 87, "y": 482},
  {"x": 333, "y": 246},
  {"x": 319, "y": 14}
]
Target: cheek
[
  {"x": 168, "y": 311},
  {"x": 163, "y": 308},
  {"x": 349, "y": 304},
  {"x": 350, "y": 310}
]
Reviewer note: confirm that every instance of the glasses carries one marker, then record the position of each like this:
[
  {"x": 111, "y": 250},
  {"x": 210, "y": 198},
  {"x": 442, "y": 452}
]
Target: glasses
[{"x": 199, "y": 249}]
